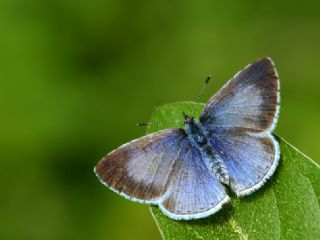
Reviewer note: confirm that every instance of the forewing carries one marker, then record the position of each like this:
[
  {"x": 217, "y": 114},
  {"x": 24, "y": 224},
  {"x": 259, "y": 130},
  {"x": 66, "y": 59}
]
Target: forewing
[
  {"x": 141, "y": 170},
  {"x": 194, "y": 192},
  {"x": 247, "y": 102},
  {"x": 250, "y": 159}
]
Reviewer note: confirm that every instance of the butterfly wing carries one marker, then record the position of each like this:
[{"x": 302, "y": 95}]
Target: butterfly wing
[
  {"x": 163, "y": 168},
  {"x": 239, "y": 120},
  {"x": 194, "y": 192},
  {"x": 250, "y": 159},
  {"x": 247, "y": 102},
  {"x": 141, "y": 170}
]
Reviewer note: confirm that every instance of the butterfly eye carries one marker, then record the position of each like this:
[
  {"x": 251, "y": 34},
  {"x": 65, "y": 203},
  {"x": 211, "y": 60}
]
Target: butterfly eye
[{"x": 186, "y": 117}]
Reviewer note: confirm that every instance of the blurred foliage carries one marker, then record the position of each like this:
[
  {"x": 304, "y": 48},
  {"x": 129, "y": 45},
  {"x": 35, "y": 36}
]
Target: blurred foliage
[{"x": 75, "y": 77}]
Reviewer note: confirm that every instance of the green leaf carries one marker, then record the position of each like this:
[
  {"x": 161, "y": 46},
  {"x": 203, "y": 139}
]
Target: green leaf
[{"x": 286, "y": 207}]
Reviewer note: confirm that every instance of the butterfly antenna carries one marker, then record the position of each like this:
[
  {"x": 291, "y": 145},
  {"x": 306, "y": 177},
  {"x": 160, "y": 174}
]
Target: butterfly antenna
[
  {"x": 141, "y": 124},
  {"x": 201, "y": 93}
]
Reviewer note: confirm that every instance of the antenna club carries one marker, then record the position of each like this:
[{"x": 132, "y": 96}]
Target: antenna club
[
  {"x": 208, "y": 79},
  {"x": 140, "y": 124}
]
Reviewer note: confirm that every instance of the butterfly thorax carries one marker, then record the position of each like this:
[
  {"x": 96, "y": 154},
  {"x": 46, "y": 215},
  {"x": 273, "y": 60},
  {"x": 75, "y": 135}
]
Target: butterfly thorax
[
  {"x": 196, "y": 133},
  {"x": 199, "y": 139}
]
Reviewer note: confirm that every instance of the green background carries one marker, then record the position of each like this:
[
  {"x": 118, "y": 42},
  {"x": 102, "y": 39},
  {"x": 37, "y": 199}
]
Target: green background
[{"x": 76, "y": 76}]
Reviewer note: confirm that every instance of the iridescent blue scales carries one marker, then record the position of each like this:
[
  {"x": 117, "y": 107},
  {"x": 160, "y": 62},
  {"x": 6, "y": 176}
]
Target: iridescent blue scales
[{"x": 186, "y": 171}]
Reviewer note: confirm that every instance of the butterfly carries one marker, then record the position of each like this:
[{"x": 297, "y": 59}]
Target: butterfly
[{"x": 185, "y": 171}]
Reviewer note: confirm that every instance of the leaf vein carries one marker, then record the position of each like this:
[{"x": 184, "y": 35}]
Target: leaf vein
[{"x": 237, "y": 229}]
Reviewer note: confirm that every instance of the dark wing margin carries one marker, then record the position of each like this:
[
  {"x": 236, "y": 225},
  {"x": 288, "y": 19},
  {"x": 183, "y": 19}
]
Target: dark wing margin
[
  {"x": 247, "y": 102},
  {"x": 141, "y": 170}
]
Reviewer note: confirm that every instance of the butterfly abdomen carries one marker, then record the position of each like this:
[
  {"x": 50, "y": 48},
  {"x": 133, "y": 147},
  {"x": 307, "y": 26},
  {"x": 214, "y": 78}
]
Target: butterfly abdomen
[
  {"x": 215, "y": 164},
  {"x": 199, "y": 139}
]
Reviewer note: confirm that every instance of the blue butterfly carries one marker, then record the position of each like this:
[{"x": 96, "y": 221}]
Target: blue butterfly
[{"x": 184, "y": 171}]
